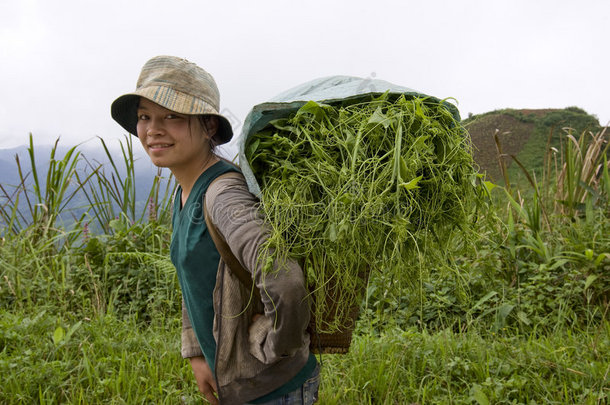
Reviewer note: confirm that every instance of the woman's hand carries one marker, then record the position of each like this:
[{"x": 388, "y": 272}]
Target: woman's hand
[{"x": 205, "y": 379}]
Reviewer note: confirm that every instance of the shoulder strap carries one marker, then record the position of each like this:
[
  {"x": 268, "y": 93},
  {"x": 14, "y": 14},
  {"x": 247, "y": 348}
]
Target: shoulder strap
[{"x": 223, "y": 248}]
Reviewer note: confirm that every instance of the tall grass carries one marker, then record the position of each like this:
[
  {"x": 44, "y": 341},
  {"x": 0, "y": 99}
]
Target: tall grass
[
  {"x": 44, "y": 201},
  {"x": 557, "y": 242},
  {"x": 520, "y": 317},
  {"x": 75, "y": 263},
  {"x": 51, "y": 358},
  {"x": 584, "y": 173},
  {"x": 476, "y": 367},
  {"x": 111, "y": 194}
]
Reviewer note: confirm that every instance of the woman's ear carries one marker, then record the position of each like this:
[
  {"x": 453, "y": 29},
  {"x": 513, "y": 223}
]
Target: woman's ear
[{"x": 210, "y": 125}]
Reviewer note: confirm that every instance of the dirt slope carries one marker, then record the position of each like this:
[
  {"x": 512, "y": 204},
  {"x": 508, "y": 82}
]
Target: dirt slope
[{"x": 520, "y": 132}]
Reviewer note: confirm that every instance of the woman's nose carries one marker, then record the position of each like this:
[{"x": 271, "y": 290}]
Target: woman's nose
[{"x": 154, "y": 127}]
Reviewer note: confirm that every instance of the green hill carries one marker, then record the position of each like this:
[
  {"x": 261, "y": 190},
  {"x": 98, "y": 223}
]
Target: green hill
[{"x": 523, "y": 133}]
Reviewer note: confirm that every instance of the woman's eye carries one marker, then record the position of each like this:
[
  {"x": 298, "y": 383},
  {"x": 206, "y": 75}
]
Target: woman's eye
[
  {"x": 172, "y": 116},
  {"x": 142, "y": 117}
]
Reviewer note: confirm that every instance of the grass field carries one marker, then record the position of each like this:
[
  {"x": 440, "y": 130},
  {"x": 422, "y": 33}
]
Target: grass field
[{"x": 521, "y": 317}]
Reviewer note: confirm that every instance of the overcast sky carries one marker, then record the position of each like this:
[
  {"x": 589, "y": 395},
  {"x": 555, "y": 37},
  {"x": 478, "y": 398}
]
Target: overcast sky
[{"x": 62, "y": 63}]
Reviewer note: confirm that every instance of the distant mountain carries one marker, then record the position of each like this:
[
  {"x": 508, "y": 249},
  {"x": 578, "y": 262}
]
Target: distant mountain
[
  {"x": 8, "y": 166},
  {"x": 91, "y": 158},
  {"x": 523, "y": 133},
  {"x": 9, "y": 170}
]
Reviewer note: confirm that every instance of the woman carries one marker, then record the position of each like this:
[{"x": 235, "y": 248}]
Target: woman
[{"x": 241, "y": 350}]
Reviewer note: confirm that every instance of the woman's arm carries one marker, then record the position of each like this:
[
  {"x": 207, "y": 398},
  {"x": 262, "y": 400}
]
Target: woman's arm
[
  {"x": 205, "y": 379},
  {"x": 190, "y": 344},
  {"x": 192, "y": 351},
  {"x": 280, "y": 332}
]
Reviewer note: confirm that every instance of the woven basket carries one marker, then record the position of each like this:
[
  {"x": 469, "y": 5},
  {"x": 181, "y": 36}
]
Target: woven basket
[{"x": 336, "y": 342}]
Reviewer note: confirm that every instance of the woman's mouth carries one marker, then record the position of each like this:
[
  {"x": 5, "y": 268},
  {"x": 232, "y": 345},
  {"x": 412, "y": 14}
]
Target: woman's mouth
[{"x": 159, "y": 146}]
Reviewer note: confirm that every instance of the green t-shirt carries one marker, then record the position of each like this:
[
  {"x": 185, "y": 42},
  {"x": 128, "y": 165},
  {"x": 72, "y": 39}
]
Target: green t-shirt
[{"x": 196, "y": 259}]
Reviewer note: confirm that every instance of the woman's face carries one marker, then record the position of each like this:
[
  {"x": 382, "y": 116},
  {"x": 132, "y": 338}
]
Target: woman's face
[{"x": 172, "y": 140}]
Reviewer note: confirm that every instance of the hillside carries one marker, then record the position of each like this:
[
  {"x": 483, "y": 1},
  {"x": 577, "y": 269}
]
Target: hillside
[{"x": 523, "y": 133}]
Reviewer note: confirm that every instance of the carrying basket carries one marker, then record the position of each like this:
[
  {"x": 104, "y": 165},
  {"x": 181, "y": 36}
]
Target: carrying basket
[
  {"x": 338, "y": 341},
  {"x": 335, "y": 91}
]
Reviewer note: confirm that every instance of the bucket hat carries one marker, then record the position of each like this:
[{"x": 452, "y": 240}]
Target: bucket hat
[{"x": 178, "y": 85}]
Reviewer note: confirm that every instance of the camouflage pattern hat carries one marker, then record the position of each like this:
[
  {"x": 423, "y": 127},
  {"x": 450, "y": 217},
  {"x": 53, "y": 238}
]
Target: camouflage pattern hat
[{"x": 178, "y": 85}]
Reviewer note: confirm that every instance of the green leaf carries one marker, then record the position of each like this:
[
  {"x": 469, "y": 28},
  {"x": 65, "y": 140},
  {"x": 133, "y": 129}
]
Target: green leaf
[
  {"x": 523, "y": 317},
  {"x": 601, "y": 257},
  {"x": 420, "y": 144},
  {"x": 115, "y": 225},
  {"x": 73, "y": 329},
  {"x": 332, "y": 232},
  {"x": 489, "y": 186},
  {"x": 253, "y": 146},
  {"x": 404, "y": 171},
  {"x": 283, "y": 124},
  {"x": 503, "y": 312},
  {"x": 58, "y": 335},
  {"x": 379, "y": 117},
  {"x": 589, "y": 254},
  {"x": 480, "y": 396},
  {"x": 412, "y": 184},
  {"x": 558, "y": 263},
  {"x": 316, "y": 109},
  {"x": 505, "y": 309},
  {"x": 590, "y": 280},
  {"x": 483, "y": 300}
]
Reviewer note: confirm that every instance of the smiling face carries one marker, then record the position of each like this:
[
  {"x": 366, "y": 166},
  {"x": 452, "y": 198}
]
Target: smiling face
[{"x": 176, "y": 141}]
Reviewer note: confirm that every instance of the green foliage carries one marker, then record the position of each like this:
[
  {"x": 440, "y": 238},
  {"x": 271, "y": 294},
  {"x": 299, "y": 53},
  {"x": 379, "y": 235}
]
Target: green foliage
[
  {"x": 126, "y": 268},
  {"x": 408, "y": 366},
  {"x": 45, "y": 202},
  {"x": 133, "y": 273},
  {"x": 551, "y": 131},
  {"x": 50, "y": 358},
  {"x": 113, "y": 194},
  {"x": 541, "y": 269},
  {"x": 389, "y": 177},
  {"x": 128, "y": 271},
  {"x": 517, "y": 316}
]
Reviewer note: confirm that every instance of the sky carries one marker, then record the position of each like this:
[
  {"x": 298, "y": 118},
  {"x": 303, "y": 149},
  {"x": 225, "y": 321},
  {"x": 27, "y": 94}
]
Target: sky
[{"x": 63, "y": 62}]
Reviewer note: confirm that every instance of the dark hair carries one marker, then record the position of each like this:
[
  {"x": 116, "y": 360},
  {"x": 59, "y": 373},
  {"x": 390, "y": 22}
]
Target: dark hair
[{"x": 204, "y": 120}]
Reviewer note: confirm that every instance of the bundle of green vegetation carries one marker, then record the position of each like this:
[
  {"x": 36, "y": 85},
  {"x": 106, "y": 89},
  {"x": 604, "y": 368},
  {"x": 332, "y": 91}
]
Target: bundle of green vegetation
[{"x": 353, "y": 189}]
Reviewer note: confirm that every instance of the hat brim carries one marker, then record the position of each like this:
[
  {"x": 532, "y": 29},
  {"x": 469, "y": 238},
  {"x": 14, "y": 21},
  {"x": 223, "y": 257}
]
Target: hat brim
[{"x": 124, "y": 110}]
